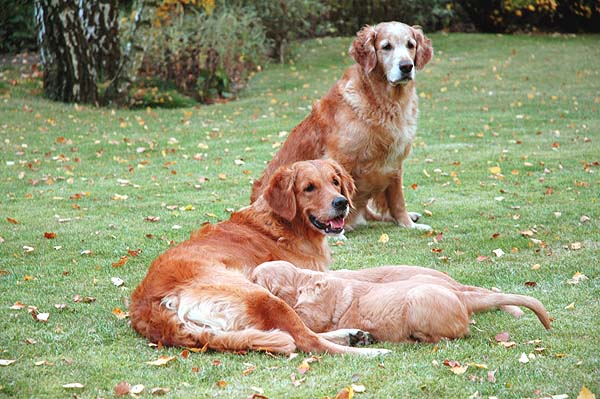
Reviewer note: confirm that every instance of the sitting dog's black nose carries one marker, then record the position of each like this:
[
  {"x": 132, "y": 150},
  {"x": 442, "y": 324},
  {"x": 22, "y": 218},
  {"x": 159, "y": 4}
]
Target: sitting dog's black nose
[
  {"x": 406, "y": 66},
  {"x": 340, "y": 203}
]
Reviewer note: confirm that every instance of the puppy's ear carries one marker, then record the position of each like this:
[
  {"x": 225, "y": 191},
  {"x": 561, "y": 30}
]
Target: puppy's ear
[
  {"x": 424, "y": 48},
  {"x": 319, "y": 286},
  {"x": 280, "y": 195},
  {"x": 362, "y": 49},
  {"x": 346, "y": 181}
]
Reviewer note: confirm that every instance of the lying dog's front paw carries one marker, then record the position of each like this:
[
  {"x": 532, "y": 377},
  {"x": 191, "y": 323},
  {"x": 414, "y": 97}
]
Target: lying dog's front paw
[{"x": 361, "y": 338}]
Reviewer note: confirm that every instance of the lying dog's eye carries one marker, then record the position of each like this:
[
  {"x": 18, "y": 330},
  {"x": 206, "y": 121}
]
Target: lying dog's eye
[
  {"x": 336, "y": 182},
  {"x": 386, "y": 47},
  {"x": 309, "y": 188},
  {"x": 410, "y": 45}
]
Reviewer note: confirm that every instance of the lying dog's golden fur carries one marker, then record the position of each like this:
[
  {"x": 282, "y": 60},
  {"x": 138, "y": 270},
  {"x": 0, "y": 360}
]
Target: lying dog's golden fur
[
  {"x": 198, "y": 294},
  {"x": 416, "y": 304},
  {"x": 367, "y": 121}
]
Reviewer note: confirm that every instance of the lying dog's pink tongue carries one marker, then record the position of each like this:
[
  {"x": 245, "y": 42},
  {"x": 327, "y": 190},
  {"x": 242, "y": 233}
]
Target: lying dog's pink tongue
[{"x": 337, "y": 223}]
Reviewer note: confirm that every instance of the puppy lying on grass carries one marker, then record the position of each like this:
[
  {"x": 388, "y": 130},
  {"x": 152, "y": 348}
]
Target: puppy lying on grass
[{"x": 393, "y": 303}]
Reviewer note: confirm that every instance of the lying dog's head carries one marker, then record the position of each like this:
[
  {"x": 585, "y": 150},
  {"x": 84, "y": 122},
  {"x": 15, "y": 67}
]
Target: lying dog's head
[
  {"x": 318, "y": 193},
  {"x": 392, "y": 49}
]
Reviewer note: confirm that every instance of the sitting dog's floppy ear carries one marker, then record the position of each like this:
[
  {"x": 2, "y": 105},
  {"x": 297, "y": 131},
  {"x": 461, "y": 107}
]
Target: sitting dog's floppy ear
[
  {"x": 424, "y": 48},
  {"x": 363, "y": 48},
  {"x": 346, "y": 181},
  {"x": 280, "y": 193}
]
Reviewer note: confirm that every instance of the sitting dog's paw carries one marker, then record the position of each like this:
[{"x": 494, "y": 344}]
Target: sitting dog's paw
[
  {"x": 361, "y": 338},
  {"x": 414, "y": 216}
]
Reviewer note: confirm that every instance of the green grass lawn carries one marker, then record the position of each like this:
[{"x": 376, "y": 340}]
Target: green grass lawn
[{"x": 508, "y": 142}]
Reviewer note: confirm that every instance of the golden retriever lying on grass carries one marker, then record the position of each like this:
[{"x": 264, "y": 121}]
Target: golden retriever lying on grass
[{"x": 416, "y": 305}]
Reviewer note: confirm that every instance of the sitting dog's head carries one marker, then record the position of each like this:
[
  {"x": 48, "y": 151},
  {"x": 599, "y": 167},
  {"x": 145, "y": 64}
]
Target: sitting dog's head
[
  {"x": 316, "y": 193},
  {"x": 393, "y": 50}
]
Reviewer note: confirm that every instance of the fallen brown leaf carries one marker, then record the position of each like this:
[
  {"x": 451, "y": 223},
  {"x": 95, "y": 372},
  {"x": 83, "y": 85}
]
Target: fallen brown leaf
[
  {"x": 159, "y": 391},
  {"x": 122, "y": 388},
  {"x": 502, "y": 337},
  {"x": 345, "y": 393}
]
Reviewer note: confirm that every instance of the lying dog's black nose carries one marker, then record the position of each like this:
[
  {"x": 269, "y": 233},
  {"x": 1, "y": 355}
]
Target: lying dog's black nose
[
  {"x": 340, "y": 203},
  {"x": 406, "y": 66}
]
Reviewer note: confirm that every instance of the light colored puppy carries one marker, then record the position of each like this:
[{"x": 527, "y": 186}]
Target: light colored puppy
[{"x": 426, "y": 306}]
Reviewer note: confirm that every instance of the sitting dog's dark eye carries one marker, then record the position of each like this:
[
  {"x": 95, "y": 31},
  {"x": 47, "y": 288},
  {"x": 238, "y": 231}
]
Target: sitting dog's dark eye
[
  {"x": 336, "y": 182},
  {"x": 309, "y": 188},
  {"x": 410, "y": 45},
  {"x": 386, "y": 47}
]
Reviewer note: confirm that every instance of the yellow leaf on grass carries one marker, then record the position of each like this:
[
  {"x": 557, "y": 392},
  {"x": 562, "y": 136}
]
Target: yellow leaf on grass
[
  {"x": 120, "y": 314},
  {"x": 496, "y": 170},
  {"x": 585, "y": 394},
  {"x": 577, "y": 278},
  {"x": 303, "y": 367},
  {"x": 570, "y": 306},
  {"x": 459, "y": 370},
  {"x": 384, "y": 238},
  {"x": 161, "y": 361}
]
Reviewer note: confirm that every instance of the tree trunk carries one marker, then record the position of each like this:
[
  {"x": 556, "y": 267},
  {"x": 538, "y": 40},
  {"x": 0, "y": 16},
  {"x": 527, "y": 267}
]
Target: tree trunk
[
  {"x": 138, "y": 41},
  {"x": 102, "y": 33},
  {"x": 69, "y": 70}
]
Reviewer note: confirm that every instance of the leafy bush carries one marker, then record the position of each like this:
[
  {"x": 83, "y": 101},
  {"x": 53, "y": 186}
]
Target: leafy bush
[
  {"x": 533, "y": 15},
  {"x": 285, "y": 20},
  {"x": 347, "y": 16},
  {"x": 17, "y": 26},
  {"x": 204, "y": 54}
]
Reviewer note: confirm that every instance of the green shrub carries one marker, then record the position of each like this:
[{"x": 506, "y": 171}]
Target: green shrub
[
  {"x": 532, "y": 15},
  {"x": 207, "y": 55},
  {"x": 347, "y": 16},
  {"x": 17, "y": 26},
  {"x": 286, "y": 20}
]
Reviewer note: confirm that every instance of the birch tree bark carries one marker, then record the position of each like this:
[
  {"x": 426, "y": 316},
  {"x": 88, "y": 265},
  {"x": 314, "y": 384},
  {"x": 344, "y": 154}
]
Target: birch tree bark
[
  {"x": 80, "y": 48},
  {"x": 69, "y": 70},
  {"x": 138, "y": 41}
]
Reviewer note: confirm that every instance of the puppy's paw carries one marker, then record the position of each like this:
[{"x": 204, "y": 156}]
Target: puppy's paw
[{"x": 361, "y": 338}]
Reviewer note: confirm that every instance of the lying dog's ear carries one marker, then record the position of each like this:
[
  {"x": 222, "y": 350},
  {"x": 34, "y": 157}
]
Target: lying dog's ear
[
  {"x": 363, "y": 48},
  {"x": 346, "y": 181},
  {"x": 424, "y": 48},
  {"x": 280, "y": 195}
]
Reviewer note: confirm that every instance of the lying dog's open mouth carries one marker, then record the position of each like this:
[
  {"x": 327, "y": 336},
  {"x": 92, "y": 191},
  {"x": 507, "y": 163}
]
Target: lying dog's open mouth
[{"x": 333, "y": 226}]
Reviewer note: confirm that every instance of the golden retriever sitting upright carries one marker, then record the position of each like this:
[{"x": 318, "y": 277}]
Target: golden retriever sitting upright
[
  {"x": 421, "y": 305},
  {"x": 198, "y": 293},
  {"x": 367, "y": 122}
]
